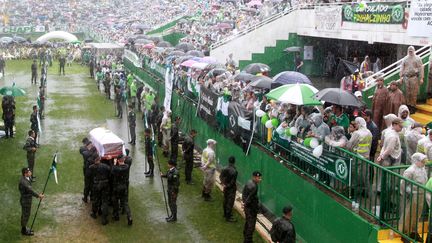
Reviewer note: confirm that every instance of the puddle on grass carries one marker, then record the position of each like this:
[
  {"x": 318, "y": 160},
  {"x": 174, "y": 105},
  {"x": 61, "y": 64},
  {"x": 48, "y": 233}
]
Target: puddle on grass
[{"x": 72, "y": 221}]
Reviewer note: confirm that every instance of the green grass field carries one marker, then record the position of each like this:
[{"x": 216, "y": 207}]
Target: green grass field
[{"x": 74, "y": 106}]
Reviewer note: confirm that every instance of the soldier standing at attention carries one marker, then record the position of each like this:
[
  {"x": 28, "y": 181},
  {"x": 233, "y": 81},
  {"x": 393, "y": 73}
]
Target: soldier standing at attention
[
  {"x": 62, "y": 62},
  {"x": 91, "y": 66},
  {"x": 34, "y": 121},
  {"x": 188, "y": 154},
  {"x": 34, "y": 72},
  {"x": 30, "y": 147},
  {"x": 228, "y": 178},
  {"x": 132, "y": 124},
  {"x": 100, "y": 192},
  {"x": 283, "y": 229},
  {"x": 173, "y": 179},
  {"x": 250, "y": 205},
  {"x": 149, "y": 152},
  {"x": 175, "y": 138},
  {"x": 120, "y": 173},
  {"x": 8, "y": 106},
  {"x": 118, "y": 97},
  {"x": 27, "y": 193}
]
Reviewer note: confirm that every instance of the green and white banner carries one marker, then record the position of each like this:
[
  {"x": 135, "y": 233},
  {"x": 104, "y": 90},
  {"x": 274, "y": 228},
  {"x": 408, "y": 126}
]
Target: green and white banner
[
  {"x": 332, "y": 164},
  {"x": 374, "y": 13},
  {"x": 18, "y": 29}
]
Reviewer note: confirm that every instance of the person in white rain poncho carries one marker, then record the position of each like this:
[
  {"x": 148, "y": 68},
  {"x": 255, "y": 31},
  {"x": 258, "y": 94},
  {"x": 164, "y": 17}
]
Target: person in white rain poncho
[
  {"x": 388, "y": 119},
  {"x": 412, "y": 195},
  {"x": 412, "y": 137},
  {"x": 407, "y": 122},
  {"x": 337, "y": 137},
  {"x": 319, "y": 129},
  {"x": 424, "y": 144},
  {"x": 391, "y": 149}
]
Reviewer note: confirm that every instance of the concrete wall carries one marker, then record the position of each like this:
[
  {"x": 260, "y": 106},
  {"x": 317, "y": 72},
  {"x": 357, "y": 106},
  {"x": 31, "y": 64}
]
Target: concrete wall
[{"x": 302, "y": 22}]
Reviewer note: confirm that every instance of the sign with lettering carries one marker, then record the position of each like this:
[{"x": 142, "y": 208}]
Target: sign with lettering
[
  {"x": 334, "y": 165},
  {"x": 328, "y": 18},
  {"x": 207, "y": 106},
  {"x": 17, "y": 29},
  {"x": 420, "y": 18},
  {"x": 374, "y": 13}
]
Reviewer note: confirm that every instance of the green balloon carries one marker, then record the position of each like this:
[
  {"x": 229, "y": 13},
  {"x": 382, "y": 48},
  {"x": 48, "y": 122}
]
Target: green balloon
[
  {"x": 275, "y": 122},
  {"x": 288, "y": 132},
  {"x": 307, "y": 142},
  {"x": 264, "y": 119}
]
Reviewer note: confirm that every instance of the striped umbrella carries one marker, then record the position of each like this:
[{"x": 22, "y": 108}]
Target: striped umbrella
[{"x": 296, "y": 94}]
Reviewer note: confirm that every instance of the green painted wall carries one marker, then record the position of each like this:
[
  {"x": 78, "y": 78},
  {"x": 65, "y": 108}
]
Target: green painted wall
[
  {"x": 318, "y": 218},
  {"x": 280, "y": 61},
  {"x": 164, "y": 27},
  {"x": 173, "y": 38}
]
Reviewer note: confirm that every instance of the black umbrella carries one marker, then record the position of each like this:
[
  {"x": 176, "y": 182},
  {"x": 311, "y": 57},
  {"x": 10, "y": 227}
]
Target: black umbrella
[
  {"x": 242, "y": 76},
  {"x": 182, "y": 21},
  {"x": 184, "y": 58},
  {"x": 262, "y": 82},
  {"x": 176, "y": 53},
  {"x": 163, "y": 44},
  {"x": 290, "y": 77},
  {"x": 255, "y": 68},
  {"x": 140, "y": 37},
  {"x": 185, "y": 47},
  {"x": 143, "y": 41},
  {"x": 338, "y": 97},
  {"x": 155, "y": 38},
  {"x": 216, "y": 72},
  {"x": 19, "y": 39},
  {"x": 195, "y": 53}
]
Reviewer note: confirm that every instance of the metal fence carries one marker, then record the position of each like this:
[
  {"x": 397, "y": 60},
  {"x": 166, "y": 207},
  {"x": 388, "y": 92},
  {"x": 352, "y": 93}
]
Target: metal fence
[{"x": 380, "y": 194}]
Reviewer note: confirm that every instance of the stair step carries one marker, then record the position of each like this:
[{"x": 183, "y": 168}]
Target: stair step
[
  {"x": 422, "y": 118},
  {"x": 424, "y": 109},
  {"x": 429, "y": 101}
]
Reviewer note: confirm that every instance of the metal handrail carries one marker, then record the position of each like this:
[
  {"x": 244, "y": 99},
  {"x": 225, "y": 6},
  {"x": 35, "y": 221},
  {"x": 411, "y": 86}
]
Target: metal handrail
[
  {"x": 392, "y": 68},
  {"x": 253, "y": 27},
  {"x": 277, "y": 16}
]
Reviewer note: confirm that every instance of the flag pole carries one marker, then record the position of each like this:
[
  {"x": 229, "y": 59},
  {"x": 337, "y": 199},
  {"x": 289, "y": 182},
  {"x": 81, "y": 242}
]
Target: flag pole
[
  {"x": 43, "y": 192},
  {"x": 163, "y": 186}
]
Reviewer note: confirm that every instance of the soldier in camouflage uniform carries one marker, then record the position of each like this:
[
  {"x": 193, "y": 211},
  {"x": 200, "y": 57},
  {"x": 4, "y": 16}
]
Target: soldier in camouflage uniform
[
  {"x": 31, "y": 147},
  {"x": 27, "y": 193}
]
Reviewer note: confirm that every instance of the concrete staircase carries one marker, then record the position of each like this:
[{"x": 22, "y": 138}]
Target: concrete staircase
[
  {"x": 387, "y": 236},
  {"x": 424, "y": 113}
]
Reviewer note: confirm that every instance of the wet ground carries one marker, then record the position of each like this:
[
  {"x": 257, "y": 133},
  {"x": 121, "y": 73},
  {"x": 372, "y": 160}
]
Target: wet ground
[{"x": 74, "y": 106}]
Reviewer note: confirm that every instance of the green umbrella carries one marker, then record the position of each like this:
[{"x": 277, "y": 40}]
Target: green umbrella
[
  {"x": 14, "y": 91},
  {"x": 296, "y": 94}
]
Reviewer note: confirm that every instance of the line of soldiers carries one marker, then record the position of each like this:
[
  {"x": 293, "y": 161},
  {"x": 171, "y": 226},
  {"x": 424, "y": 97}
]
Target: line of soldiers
[{"x": 106, "y": 182}]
